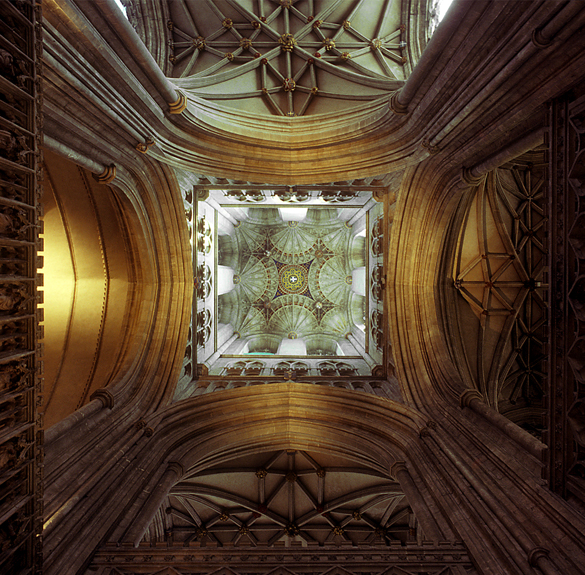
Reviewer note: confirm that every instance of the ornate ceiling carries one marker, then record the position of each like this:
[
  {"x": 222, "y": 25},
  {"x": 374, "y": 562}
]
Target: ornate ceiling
[
  {"x": 293, "y": 279},
  {"x": 287, "y": 57},
  {"x": 109, "y": 466},
  {"x": 500, "y": 284},
  {"x": 287, "y": 497}
]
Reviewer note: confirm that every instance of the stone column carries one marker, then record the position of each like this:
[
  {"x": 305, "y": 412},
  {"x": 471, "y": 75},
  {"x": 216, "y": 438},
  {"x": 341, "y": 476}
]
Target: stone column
[
  {"x": 100, "y": 399},
  {"x": 360, "y": 349},
  {"x": 474, "y": 401},
  {"x": 148, "y": 510},
  {"x": 415, "y": 499},
  {"x": 114, "y": 25},
  {"x": 522, "y": 534}
]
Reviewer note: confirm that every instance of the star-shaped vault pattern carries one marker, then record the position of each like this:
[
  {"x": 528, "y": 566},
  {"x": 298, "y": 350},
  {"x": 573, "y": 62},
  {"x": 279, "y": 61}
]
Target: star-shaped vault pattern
[
  {"x": 281, "y": 56},
  {"x": 290, "y": 496}
]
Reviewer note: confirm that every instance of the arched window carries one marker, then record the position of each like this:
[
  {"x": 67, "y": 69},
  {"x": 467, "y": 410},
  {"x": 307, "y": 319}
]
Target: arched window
[
  {"x": 244, "y": 368},
  {"x": 291, "y": 369},
  {"x": 203, "y": 327},
  {"x": 335, "y": 368}
]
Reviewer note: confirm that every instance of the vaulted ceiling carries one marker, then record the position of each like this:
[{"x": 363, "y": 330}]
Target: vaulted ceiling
[
  {"x": 293, "y": 278},
  {"x": 285, "y": 497},
  {"x": 479, "y": 90},
  {"x": 287, "y": 57}
]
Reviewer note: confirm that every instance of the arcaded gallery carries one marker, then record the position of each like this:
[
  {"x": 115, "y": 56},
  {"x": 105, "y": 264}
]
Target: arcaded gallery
[{"x": 292, "y": 287}]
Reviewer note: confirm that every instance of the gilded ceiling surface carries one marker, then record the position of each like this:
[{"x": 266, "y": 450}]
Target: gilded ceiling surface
[
  {"x": 501, "y": 280},
  {"x": 293, "y": 279},
  {"x": 287, "y": 57}
]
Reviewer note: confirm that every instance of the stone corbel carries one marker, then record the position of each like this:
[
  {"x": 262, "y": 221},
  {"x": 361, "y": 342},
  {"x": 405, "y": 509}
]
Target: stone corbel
[
  {"x": 105, "y": 396},
  {"x": 201, "y": 195},
  {"x": 107, "y": 175},
  {"x": 379, "y": 194},
  {"x": 426, "y": 144},
  {"x": 426, "y": 431},
  {"x": 378, "y": 371},
  {"x": 396, "y": 106},
  {"x": 142, "y": 425},
  {"x": 179, "y": 105},
  {"x": 144, "y": 147}
]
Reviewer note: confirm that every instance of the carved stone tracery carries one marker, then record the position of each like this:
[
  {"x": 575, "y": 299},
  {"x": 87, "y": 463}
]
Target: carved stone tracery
[
  {"x": 21, "y": 451},
  {"x": 566, "y": 375},
  {"x": 500, "y": 271},
  {"x": 285, "y": 38}
]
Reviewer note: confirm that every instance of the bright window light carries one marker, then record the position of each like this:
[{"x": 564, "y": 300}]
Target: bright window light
[
  {"x": 293, "y": 214},
  {"x": 442, "y": 7},
  {"x": 122, "y": 7}
]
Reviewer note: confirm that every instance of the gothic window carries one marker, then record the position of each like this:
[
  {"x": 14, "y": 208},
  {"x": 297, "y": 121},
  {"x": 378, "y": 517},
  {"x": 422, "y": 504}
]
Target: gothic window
[
  {"x": 203, "y": 281},
  {"x": 335, "y": 368},
  {"x": 203, "y": 327},
  {"x": 291, "y": 368},
  {"x": 244, "y": 368}
]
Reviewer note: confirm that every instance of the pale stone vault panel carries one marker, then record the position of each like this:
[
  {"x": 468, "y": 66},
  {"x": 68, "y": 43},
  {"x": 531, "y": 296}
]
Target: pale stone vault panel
[
  {"x": 247, "y": 323},
  {"x": 287, "y": 59}
]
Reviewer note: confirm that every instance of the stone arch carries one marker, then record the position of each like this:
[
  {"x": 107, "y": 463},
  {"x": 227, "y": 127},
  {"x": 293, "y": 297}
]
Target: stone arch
[{"x": 369, "y": 431}]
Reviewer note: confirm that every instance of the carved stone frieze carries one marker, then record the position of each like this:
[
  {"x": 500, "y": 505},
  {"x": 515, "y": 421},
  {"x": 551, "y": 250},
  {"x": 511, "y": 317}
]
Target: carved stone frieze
[
  {"x": 21, "y": 454},
  {"x": 446, "y": 559},
  {"x": 566, "y": 376}
]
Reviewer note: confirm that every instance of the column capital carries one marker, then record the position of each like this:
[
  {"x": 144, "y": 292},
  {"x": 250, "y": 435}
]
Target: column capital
[
  {"x": 468, "y": 396},
  {"x": 396, "y": 106},
  {"x": 176, "y": 467},
  {"x": 470, "y": 178},
  {"x": 398, "y": 467},
  {"x": 536, "y": 554},
  {"x": 107, "y": 175},
  {"x": 105, "y": 396},
  {"x": 179, "y": 105}
]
